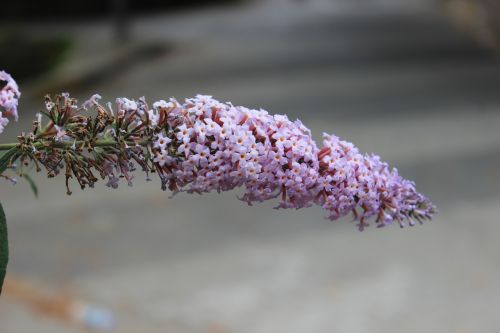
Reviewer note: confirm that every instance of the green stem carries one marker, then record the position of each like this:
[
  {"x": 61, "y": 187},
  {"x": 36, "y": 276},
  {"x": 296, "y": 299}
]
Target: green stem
[
  {"x": 7, "y": 146},
  {"x": 66, "y": 144}
]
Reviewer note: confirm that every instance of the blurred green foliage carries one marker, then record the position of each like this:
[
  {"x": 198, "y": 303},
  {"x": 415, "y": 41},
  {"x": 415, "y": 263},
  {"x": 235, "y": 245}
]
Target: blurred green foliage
[{"x": 25, "y": 56}]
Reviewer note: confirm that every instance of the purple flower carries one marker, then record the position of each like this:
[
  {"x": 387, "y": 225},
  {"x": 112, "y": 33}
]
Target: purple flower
[
  {"x": 9, "y": 99},
  {"x": 3, "y": 122},
  {"x": 161, "y": 142}
]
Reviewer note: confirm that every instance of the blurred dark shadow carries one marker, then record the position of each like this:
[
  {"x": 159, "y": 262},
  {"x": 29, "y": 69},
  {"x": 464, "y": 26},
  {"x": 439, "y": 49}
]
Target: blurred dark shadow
[{"x": 91, "y": 9}]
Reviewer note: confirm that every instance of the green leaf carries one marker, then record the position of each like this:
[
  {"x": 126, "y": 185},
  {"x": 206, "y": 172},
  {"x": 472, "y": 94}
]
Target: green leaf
[
  {"x": 4, "y": 247},
  {"x": 5, "y": 158},
  {"x": 32, "y": 183}
]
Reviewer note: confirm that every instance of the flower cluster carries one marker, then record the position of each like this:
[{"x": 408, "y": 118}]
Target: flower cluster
[
  {"x": 203, "y": 145},
  {"x": 217, "y": 146},
  {"x": 9, "y": 96},
  {"x": 365, "y": 186}
]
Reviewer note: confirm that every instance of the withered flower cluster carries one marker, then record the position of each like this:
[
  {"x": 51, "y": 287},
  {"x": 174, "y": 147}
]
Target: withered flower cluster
[{"x": 88, "y": 142}]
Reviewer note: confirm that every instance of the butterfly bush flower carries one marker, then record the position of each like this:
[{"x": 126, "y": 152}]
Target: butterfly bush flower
[
  {"x": 203, "y": 145},
  {"x": 9, "y": 96}
]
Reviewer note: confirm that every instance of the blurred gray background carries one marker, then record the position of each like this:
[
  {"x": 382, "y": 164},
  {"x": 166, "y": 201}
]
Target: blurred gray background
[{"x": 416, "y": 82}]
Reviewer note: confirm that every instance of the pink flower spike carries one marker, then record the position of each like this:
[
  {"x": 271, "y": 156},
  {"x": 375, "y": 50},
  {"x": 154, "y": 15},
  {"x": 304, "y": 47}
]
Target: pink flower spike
[{"x": 203, "y": 145}]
